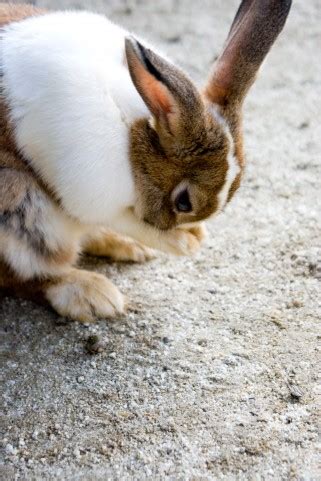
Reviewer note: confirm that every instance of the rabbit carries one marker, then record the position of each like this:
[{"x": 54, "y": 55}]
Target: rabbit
[{"x": 107, "y": 147}]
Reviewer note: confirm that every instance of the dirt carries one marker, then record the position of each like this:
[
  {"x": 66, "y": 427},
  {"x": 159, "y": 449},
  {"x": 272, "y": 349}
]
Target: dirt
[{"x": 215, "y": 371}]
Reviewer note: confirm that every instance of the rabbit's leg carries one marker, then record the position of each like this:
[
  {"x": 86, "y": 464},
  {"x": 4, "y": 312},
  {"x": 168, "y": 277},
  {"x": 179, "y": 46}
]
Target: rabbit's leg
[
  {"x": 39, "y": 245},
  {"x": 183, "y": 240},
  {"x": 119, "y": 248},
  {"x": 77, "y": 294},
  {"x": 83, "y": 296}
]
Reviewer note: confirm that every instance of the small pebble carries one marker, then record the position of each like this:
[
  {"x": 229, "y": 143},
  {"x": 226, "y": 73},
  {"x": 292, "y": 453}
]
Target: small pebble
[
  {"x": 94, "y": 345},
  {"x": 295, "y": 391},
  {"x": 80, "y": 379},
  {"x": 212, "y": 291},
  {"x": 278, "y": 323},
  {"x": 230, "y": 361},
  {"x": 104, "y": 449},
  {"x": 76, "y": 452},
  {"x": 112, "y": 355},
  {"x": 296, "y": 303},
  {"x": 10, "y": 449}
]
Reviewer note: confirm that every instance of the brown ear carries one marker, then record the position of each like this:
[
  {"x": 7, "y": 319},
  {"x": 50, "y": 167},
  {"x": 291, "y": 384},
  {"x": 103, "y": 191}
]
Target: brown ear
[
  {"x": 253, "y": 32},
  {"x": 165, "y": 89}
]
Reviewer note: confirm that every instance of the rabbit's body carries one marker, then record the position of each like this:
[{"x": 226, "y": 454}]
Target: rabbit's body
[{"x": 98, "y": 132}]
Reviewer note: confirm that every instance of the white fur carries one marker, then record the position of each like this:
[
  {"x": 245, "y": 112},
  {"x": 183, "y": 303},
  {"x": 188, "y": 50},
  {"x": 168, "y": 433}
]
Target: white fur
[
  {"x": 233, "y": 165},
  {"x": 72, "y": 101},
  {"x": 232, "y": 172}
]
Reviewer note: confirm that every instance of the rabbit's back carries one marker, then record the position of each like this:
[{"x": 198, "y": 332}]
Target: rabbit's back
[{"x": 71, "y": 100}]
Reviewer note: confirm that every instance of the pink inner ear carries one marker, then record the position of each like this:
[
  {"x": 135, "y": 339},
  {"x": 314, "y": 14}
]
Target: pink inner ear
[
  {"x": 161, "y": 97},
  {"x": 153, "y": 91}
]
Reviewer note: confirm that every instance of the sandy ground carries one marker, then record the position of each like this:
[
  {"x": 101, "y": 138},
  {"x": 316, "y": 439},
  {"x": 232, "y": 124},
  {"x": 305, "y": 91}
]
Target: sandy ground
[{"x": 213, "y": 374}]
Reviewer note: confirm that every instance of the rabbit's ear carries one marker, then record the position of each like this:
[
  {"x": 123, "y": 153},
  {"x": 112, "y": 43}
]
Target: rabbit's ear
[
  {"x": 253, "y": 32},
  {"x": 170, "y": 96}
]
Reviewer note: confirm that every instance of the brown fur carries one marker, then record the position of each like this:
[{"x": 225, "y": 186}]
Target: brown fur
[
  {"x": 10, "y": 285},
  {"x": 158, "y": 169},
  {"x": 22, "y": 202},
  {"x": 233, "y": 73},
  {"x": 117, "y": 247},
  {"x": 255, "y": 28},
  {"x": 13, "y": 13}
]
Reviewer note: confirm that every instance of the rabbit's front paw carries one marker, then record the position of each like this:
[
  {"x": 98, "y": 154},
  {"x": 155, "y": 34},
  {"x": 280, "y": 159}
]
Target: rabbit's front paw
[
  {"x": 119, "y": 248},
  {"x": 186, "y": 240},
  {"x": 135, "y": 252},
  {"x": 83, "y": 296}
]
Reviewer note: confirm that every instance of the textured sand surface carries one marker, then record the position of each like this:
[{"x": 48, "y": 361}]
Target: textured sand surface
[{"x": 215, "y": 371}]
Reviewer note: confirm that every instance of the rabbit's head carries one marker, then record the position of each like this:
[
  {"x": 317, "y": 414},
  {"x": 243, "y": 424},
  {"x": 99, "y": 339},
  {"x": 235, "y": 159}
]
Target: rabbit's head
[{"x": 187, "y": 158}]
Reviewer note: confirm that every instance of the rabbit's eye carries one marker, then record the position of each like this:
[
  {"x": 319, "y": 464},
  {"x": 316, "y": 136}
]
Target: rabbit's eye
[{"x": 182, "y": 202}]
